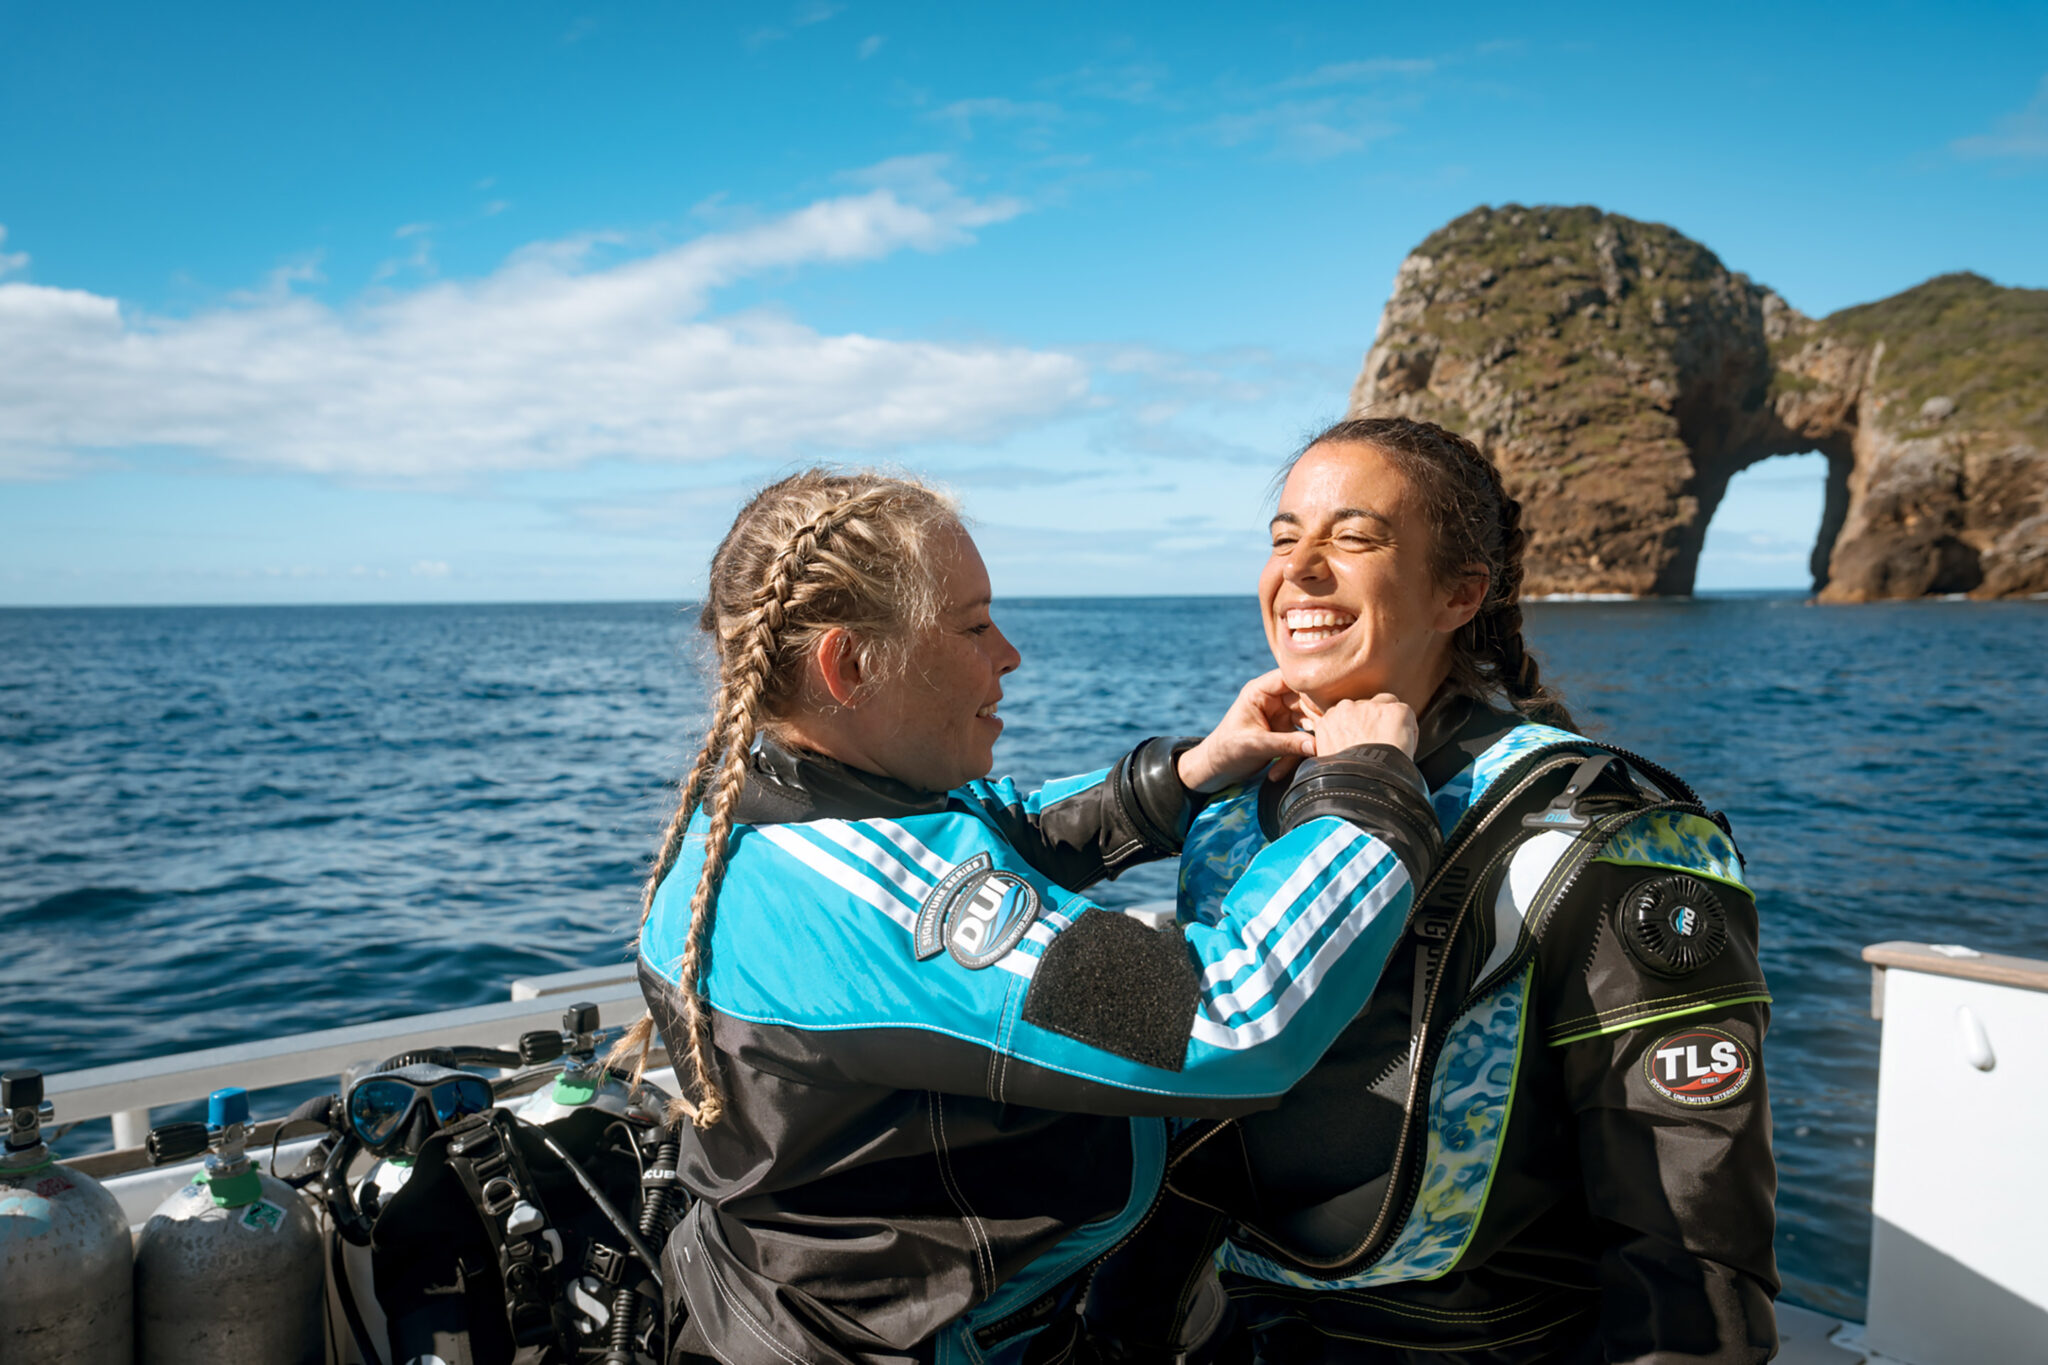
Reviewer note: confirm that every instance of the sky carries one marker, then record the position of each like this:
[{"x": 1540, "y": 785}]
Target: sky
[{"x": 513, "y": 301}]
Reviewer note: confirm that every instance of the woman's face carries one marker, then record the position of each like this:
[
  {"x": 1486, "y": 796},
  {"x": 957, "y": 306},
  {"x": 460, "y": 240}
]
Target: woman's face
[
  {"x": 1350, "y": 604},
  {"x": 935, "y": 726}
]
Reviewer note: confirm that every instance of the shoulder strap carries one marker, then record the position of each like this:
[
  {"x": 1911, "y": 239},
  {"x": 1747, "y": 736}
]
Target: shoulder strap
[{"x": 485, "y": 1158}]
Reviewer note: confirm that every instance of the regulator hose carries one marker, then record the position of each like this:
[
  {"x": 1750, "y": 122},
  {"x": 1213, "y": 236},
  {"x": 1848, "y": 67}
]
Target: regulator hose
[
  {"x": 349, "y": 1221},
  {"x": 461, "y": 1055},
  {"x": 357, "y": 1328},
  {"x": 657, "y": 1183},
  {"x": 604, "y": 1205}
]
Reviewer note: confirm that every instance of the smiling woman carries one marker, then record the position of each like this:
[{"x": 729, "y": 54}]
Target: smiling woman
[
  {"x": 925, "y": 1072},
  {"x": 1503, "y": 1157}
]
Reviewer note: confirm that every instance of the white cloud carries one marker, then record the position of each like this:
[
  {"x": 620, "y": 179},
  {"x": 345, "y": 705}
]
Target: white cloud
[
  {"x": 430, "y": 568},
  {"x": 1371, "y": 68},
  {"x": 10, "y": 261},
  {"x": 2020, "y": 135},
  {"x": 803, "y": 16},
  {"x": 550, "y": 361},
  {"x": 1305, "y": 130},
  {"x": 869, "y": 46},
  {"x": 1035, "y": 115}
]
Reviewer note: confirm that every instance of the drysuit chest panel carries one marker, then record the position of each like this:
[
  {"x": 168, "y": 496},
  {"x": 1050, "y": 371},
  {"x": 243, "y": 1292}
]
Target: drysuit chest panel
[{"x": 1470, "y": 1099}]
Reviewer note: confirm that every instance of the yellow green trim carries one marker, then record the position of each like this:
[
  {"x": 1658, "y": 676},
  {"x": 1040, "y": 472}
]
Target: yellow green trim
[
  {"x": 1507, "y": 1114},
  {"x": 1690, "y": 869},
  {"x": 1660, "y": 1018}
]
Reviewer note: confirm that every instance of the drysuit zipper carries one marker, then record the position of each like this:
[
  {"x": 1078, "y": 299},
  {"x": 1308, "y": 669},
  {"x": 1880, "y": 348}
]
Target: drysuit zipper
[
  {"x": 1596, "y": 838},
  {"x": 1504, "y": 793}
]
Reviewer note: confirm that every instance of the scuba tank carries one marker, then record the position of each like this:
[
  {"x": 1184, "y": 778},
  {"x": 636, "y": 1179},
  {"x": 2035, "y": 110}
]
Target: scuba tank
[
  {"x": 66, "y": 1283},
  {"x": 229, "y": 1270},
  {"x": 581, "y": 1083}
]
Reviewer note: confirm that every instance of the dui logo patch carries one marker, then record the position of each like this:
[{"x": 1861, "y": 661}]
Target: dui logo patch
[
  {"x": 977, "y": 913},
  {"x": 1672, "y": 925},
  {"x": 1698, "y": 1067}
]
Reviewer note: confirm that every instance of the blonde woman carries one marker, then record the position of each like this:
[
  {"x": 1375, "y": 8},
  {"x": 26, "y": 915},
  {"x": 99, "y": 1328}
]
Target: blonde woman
[{"x": 919, "y": 1063}]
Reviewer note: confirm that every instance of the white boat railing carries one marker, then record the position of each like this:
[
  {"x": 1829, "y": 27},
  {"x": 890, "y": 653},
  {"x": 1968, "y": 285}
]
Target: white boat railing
[
  {"x": 1960, "y": 1191},
  {"x": 127, "y": 1091},
  {"x": 1955, "y": 1278}
]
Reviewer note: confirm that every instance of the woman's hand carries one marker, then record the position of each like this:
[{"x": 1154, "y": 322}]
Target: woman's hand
[
  {"x": 1260, "y": 726},
  {"x": 1384, "y": 719}
]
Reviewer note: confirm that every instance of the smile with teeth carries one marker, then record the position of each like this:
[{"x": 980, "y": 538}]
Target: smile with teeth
[
  {"x": 1309, "y": 625},
  {"x": 988, "y": 712}
]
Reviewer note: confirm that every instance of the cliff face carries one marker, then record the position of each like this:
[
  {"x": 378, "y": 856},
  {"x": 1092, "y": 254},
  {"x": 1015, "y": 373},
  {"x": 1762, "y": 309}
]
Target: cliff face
[{"x": 1622, "y": 375}]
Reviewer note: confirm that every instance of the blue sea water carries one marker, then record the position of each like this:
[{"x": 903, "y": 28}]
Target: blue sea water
[{"x": 221, "y": 824}]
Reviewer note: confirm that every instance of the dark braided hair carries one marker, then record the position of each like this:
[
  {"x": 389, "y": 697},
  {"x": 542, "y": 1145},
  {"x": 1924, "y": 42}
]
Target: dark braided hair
[{"x": 1475, "y": 526}]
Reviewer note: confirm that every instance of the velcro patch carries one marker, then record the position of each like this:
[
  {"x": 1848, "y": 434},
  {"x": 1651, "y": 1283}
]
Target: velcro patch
[{"x": 1698, "y": 1067}]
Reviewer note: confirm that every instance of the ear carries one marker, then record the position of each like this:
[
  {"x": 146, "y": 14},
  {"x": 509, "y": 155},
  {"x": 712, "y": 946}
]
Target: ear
[
  {"x": 835, "y": 659},
  {"x": 1463, "y": 600}
]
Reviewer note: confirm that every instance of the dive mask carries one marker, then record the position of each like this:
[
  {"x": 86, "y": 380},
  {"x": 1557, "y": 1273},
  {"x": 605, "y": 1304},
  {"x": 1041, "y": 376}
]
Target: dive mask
[{"x": 394, "y": 1111}]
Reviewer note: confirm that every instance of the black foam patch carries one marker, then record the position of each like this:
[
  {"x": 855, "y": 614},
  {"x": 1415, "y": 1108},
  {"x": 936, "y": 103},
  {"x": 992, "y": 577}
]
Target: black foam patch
[{"x": 1111, "y": 982}]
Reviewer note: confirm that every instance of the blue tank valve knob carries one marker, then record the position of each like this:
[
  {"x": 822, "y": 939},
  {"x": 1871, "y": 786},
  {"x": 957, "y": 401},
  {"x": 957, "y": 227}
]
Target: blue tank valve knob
[{"x": 228, "y": 1105}]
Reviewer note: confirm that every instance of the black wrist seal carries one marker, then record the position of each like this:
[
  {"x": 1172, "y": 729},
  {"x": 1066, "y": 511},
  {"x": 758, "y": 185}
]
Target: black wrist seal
[{"x": 1376, "y": 787}]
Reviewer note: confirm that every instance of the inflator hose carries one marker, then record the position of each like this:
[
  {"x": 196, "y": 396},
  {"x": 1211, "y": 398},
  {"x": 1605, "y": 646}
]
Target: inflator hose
[{"x": 463, "y": 1055}]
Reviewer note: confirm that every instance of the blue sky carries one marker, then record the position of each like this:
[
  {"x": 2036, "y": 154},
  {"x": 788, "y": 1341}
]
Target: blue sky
[{"x": 513, "y": 301}]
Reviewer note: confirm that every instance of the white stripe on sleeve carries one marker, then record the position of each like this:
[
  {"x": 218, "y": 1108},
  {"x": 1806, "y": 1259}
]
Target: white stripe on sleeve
[{"x": 848, "y": 879}]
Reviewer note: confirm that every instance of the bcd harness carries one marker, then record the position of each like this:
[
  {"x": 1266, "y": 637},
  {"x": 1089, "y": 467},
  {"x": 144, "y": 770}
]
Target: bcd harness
[
  {"x": 489, "y": 1253},
  {"x": 487, "y": 1161},
  {"x": 1453, "y": 962}
]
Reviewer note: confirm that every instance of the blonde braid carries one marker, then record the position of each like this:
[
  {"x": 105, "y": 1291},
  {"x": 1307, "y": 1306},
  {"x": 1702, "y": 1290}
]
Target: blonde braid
[
  {"x": 639, "y": 1037},
  {"x": 750, "y": 654}
]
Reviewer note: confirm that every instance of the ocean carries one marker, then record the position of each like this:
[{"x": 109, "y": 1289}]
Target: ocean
[{"x": 219, "y": 824}]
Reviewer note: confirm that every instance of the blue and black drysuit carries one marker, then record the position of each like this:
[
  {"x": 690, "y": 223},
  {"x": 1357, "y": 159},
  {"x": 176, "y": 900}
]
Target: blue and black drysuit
[
  {"x": 942, "y": 1064},
  {"x": 1546, "y": 1136}
]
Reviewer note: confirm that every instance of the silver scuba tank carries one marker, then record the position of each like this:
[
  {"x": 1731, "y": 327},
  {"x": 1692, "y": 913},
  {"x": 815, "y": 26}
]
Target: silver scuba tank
[
  {"x": 230, "y": 1270},
  {"x": 66, "y": 1279}
]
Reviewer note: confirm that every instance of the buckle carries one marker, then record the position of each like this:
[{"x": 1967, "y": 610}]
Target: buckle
[
  {"x": 498, "y": 1195},
  {"x": 1563, "y": 812},
  {"x": 604, "y": 1262}
]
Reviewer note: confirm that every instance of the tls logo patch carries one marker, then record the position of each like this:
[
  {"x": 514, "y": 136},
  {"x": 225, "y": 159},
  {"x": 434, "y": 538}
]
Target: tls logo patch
[
  {"x": 976, "y": 913},
  {"x": 1698, "y": 1067}
]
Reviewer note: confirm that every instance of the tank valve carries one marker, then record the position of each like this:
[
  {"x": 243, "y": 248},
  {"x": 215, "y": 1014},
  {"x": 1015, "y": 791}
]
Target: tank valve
[
  {"x": 227, "y": 1132},
  {"x": 580, "y": 1025},
  {"x": 21, "y": 1097},
  {"x": 180, "y": 1141},
  {"x": 230, "y": 1176},
  {"x": 541, "y": 1045}
]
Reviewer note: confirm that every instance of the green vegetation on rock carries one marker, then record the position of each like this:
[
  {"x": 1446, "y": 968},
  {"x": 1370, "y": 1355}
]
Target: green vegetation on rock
[{"x": 1961, "y": 337}]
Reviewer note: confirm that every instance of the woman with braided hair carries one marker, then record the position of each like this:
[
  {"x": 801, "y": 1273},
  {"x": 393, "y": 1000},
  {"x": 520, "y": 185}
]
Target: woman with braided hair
[
  {"x": 924, "y": 1077},
  {"x": 1545, "y": 1135}
]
